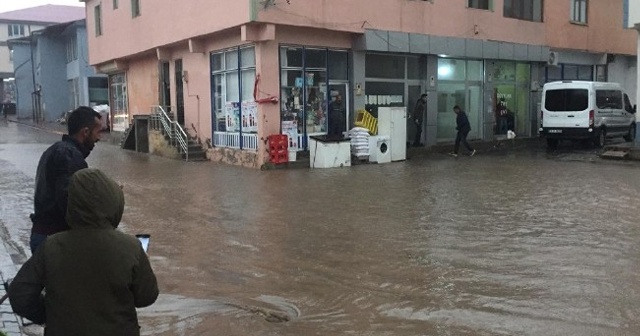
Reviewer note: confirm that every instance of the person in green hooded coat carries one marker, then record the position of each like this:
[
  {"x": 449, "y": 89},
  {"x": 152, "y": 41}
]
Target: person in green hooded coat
[{"x": 94, "y": 276}]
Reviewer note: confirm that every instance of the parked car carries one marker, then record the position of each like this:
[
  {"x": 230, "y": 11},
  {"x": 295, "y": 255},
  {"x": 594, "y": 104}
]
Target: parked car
[{"x": 586, "y": 110}]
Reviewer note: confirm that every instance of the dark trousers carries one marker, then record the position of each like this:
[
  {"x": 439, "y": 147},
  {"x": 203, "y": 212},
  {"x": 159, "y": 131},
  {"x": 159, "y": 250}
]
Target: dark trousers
[
  {"x": 416, "y": 140},
  {"x": 462, "y": 137}
]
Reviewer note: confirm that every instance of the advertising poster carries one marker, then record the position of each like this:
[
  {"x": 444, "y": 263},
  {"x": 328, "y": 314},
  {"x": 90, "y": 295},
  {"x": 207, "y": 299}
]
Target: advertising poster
[
  {"x": 232, "y": 117},
  {"x": 290, "y": 128},
  {"x": 249, "y": 117}
]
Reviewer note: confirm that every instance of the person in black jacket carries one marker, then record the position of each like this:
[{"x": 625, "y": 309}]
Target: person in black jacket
[
  {"x": 55, "y": 168},
  {"x": 463, "y": 128}
]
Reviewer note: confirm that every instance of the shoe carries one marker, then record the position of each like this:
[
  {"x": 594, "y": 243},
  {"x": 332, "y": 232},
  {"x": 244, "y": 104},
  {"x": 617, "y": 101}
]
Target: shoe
[
  {"x": 473, "y": 153},
  {"x": 453, "y": 154}
]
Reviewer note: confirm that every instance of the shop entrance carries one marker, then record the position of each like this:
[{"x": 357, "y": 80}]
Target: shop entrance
[
  {"x": 511, "y": 95},
  {"x": 414, "y": 92},
  {"x": 460, "y": 84},
  {"x": 343, "y": 107}
]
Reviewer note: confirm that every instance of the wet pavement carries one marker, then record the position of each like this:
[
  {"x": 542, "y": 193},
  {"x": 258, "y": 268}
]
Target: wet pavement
[{"x": 513, "y": 241}]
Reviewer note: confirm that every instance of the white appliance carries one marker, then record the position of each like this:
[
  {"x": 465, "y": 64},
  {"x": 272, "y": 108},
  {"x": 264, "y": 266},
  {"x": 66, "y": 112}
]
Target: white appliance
[
  {"x": 379, "y": 149},
  {"x": 392, "y": 122},
  {"x": 329, "y": 154}
]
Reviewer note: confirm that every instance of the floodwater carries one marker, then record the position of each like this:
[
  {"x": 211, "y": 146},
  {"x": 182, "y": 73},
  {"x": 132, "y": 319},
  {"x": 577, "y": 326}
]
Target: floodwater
[{"x": 511, "y": 243}]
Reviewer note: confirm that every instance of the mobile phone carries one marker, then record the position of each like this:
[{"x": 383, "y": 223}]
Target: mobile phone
[{"x": 144, "y": 240}]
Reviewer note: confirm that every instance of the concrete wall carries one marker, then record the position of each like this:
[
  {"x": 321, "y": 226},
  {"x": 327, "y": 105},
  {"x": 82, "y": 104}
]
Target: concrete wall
[
  {"x": 6, "y": 65},
  {"x": 142, "y": 84},
  {"x": 51, "y": 75},
  {"x": 624, "y": 71},
  {"x": 604, "y": 22},
  {"x": 161, "y": 22},
  {"x": 23, "y": 80},
  {"x": 444, "y": 18}
]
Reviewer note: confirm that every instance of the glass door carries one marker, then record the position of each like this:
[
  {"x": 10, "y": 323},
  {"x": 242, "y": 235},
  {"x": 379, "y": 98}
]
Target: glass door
[{"x": 339, "y": 103}]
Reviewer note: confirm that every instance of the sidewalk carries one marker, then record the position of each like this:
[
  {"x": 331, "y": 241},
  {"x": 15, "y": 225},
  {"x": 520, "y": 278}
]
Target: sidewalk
[
  {"x": 56, "y": 128},
  {"x": 9, "y": 322}
]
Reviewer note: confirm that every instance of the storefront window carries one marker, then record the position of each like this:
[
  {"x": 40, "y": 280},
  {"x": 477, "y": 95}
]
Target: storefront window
[
  {"x": 338, "y": 65},
  {"x": 414, "y": 68},
  {"x": 383, "y": 94},
  {"x": 512, "y": 97},
  {"x": 119, "y": 102},
  {"x": 451, "y": 69},
  {"x": 291, "y": 57},
  {"x": 305, "y": 75},
  {"x": 315, "y": 58},
  {"x": 234, "y": 109},
  {"x": 385, "y": 66},
  {"x": 460, "y": 84}
]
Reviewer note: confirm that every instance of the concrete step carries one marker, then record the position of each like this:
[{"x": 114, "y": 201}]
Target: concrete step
[{"x": 615, "y": 154}]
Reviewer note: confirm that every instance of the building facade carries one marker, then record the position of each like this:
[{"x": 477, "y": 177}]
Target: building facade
[
  {"x": 268, "y": 67},
  {"x": 52, "y": 73},
  {"x": 21, "y": 23}
]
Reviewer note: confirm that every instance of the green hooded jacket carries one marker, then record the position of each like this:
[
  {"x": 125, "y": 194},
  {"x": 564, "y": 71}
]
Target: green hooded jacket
[{"x": 93, "y": 275}]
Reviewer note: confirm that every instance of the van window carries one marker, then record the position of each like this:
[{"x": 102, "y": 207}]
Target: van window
[
  {"x": 609, "y": 99},
  {"x": 627, "y": 104},
  {"x": 566, "y": 100}
]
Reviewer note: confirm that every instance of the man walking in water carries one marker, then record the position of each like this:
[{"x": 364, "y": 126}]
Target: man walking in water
[{"x": 463, "y": 127}]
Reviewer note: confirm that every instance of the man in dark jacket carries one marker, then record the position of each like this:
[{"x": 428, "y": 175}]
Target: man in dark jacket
[
  {"x": 94, "y": 276},
  {"x": 337, "y": 120},
  {"x": 55, "y": 168},
  {"x": 418, "y": 118},
  {"x": 463, "y": 128}
]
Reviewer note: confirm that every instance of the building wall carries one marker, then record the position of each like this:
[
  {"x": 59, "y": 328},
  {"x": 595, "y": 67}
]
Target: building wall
[
  {"x": 23, "y": 81},
  {"x": 604, "y": 21},
  {"x": 443, "y": 18},
  {"x": 155, "y": 27},
  {"x": 51, "y": 73},
  {"x": 6, "y": 65},
  {"x": 142, "y": 84},
  {"x": 624, "y": 71}
]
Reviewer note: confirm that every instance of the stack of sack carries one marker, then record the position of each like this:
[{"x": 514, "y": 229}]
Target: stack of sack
[{"x": 359, "y": 142}]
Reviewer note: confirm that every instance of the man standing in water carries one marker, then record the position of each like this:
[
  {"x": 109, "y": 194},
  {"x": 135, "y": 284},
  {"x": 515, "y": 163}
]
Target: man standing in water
[
  {"x": 55, "y": 168},
  {"x": 463, "y": 128},
  {"x": 418, "y": 118},
  {"x": 337, "y": 117}
]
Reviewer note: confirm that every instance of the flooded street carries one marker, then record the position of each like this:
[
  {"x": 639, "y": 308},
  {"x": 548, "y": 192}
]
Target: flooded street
[{"x": 518, "y": 243}]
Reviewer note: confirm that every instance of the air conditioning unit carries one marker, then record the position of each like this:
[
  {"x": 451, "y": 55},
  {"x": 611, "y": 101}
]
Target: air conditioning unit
[{"x": 553, "y": 58}]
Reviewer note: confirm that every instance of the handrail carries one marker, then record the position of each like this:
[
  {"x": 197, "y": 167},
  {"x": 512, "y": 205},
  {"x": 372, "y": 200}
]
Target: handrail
[{"x": 177, "y": 136}]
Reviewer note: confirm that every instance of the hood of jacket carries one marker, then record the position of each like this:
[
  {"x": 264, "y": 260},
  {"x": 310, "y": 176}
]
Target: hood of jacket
[{"x": 95, "y": 201}]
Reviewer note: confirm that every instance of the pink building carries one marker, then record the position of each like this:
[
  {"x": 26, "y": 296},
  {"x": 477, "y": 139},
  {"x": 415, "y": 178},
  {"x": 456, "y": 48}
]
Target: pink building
[{"x": 238, "y": 71}]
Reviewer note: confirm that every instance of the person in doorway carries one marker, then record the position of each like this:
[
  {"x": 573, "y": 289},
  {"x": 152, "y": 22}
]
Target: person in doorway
[
  {"x": 337, "y": 120},
  {"x": 94, "y": 276},
  {"x": 463, "y": 127},
  {"x": 502, "y": 113},
  {"x": 55, "y": 168},
  {"x": 418, "y": 118}
]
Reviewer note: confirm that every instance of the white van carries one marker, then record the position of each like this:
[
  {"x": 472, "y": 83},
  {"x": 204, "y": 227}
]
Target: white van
[{"x": 586, "y": 110}]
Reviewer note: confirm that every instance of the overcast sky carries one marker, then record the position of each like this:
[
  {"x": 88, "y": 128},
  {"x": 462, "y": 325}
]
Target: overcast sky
[{"x": 9, "y": 5}]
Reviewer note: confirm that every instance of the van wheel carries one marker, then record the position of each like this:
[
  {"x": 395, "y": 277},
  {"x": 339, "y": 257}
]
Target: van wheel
[
  {"x": 631, "y": 136},
  {"x": 552, "y": 143},
  {"x": 601, "y": 138}
]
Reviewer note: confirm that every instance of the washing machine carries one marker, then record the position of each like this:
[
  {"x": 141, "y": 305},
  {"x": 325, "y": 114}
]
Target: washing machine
[{"x": 380, "y": 149}]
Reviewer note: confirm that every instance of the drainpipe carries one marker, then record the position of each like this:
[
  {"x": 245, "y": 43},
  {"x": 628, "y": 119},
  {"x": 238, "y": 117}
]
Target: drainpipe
[{"x": 253, "y": 10}]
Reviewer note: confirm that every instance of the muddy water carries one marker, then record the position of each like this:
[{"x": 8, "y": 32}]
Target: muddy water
[{"x": 516, "y": 244}]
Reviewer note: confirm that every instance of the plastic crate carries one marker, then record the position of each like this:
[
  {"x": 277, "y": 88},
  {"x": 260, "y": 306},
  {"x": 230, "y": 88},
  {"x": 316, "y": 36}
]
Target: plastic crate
[
  {"x": 278, "y": 145},
  {"x": 364, "y": 119}
]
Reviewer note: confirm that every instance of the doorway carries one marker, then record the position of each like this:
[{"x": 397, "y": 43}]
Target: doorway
[
  {"x": 179, "y": 92},
  {"x": 341, "y": 89},
  {"x": 414, "y": 92},
  {"x": 165, "y": 86}
]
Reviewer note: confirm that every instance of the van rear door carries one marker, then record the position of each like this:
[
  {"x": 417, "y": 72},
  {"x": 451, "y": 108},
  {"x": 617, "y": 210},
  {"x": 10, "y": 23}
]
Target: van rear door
[{"x": 566, "y": 107}]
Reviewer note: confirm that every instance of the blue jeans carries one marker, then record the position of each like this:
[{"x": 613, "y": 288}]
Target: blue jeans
[{"x": 36, "y": 240}]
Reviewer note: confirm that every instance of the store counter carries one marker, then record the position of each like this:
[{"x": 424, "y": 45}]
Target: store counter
[{"x": 329, "y": 151}]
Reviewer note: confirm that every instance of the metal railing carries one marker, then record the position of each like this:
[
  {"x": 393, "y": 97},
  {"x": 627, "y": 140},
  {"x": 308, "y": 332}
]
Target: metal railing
[
  {"x": 160, "y": 121},
  {"x": 232, "y": 140}
]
